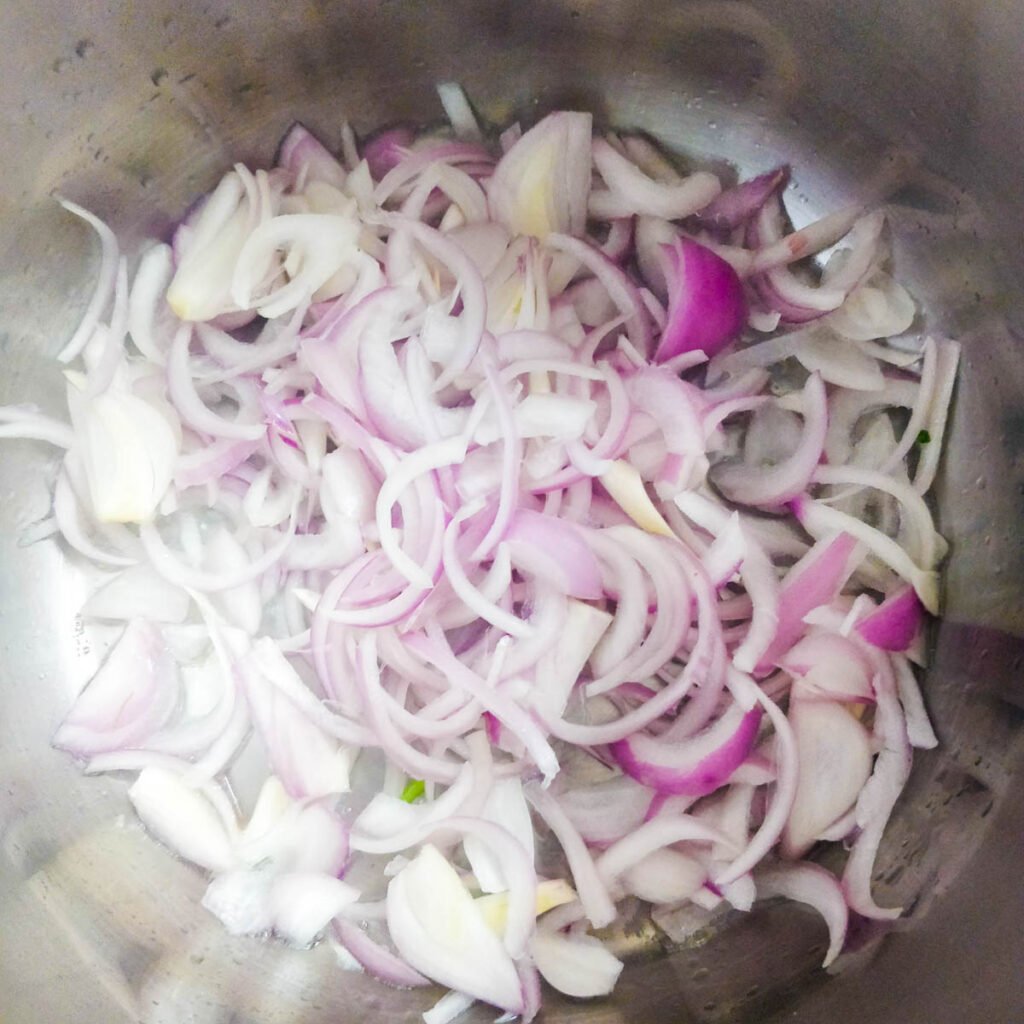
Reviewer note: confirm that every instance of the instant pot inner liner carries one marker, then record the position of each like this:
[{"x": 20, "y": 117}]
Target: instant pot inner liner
[{"x": 135, "y": 124}]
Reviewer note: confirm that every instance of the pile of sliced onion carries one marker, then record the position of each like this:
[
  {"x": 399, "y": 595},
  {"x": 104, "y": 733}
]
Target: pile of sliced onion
[{"x": 448, "y": 496}]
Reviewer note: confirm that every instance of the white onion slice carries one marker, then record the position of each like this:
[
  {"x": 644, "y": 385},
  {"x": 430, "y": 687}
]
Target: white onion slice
[
  {"x": 579, "y": 966},
  {"x": 835, "y": 762},
  {"x": 439, "y": 931},
  {"x": 540, "y": 185},
  {"x": 129, "y": 448},
  {"x": 183, "y": 818}
]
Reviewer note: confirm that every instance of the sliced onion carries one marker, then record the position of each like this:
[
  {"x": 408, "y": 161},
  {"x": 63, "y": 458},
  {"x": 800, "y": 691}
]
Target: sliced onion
[
  {"x": 735, "y": 206},
  {"x": 308, "y": 763},
  {"x": 605, "y": 811},
  {"x": 448, "y": 1007},
  {"x": 786, "y": 783},
  {"x": 558, "y": 670},
  {"x": 878, "y": 308},
  {"x": 304, "y": 904},
  {"x": 104, "y": 288},
  {"x": 620, "y": 288},
  {"x": 201, "y": 286},
  {"x": 815, "y": 580},
  {"x": 829, "y": 666},
  {"x": 919, "y": 727},
  {"x": 308, "y": 158},
  {"x": 183, "y": 818},
  {"x": 665, "y": 876},
  {"x": 696, "y": 766},
  {"x": 505, "y": 806},
  {"x": 540, "y": 185},
  {"x": 631, "y": 191},
  {"x": 439, "y": 931},
  {"x": 377, "y": 960},
  {"x": 556, "y": 550},
  {"x": 138, "y": 592},
  {"x": 320, "y": 244},
  {"x": 579, "y": 966},
  {"x": 149, "y": 320},
  {"x": 653, "y": 835},
  {"x": 240, "y": 900},
  {"x": 593, "y": 892},
  {"x": 129, "y": 448},
  {"x": 835, "y": 762},
  {"x": 820, "y": 520},
  {"x": 840, "y": 363},
  {"x": 706, "y": 307},
  {"x": 813, "y": 885},
  {"x": 894, "y": 625},
  {"x": 132, "y": 696},
  {"x": 781, "y": 483}
]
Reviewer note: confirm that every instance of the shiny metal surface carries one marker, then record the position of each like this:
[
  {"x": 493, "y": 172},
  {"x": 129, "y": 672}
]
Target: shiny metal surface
[{"x": 133, "y": 109}]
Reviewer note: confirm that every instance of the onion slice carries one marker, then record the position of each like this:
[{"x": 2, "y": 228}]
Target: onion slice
[{"x": 439, "y": 931}]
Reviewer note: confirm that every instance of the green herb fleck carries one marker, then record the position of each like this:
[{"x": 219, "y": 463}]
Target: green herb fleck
[
  {"x": 414, "y": 789},
  {"x": 923, "y": 437}
]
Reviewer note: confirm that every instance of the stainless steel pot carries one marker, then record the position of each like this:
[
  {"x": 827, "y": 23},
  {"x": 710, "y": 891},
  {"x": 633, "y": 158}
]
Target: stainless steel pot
[{"x": 133, "y": 109}]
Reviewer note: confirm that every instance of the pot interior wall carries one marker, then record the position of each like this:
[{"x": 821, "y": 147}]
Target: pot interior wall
[{"x": 133, "y": 110}]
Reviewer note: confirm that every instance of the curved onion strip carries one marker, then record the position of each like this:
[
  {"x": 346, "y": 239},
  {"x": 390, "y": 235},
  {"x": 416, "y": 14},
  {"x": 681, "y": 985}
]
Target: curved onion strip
[
  {"x": 426, "y": 460},
  {"x": 879, "y": 796},
  {"x": 632, "y": 191},
  {"x": 784, "y": 481},
  {"x": 785, "y": 782},
  {"x": 175, "y": 571},
  {"x": 924, "y": 544},
  {"x": 190, "y": 405},
  {"x": 819, "y": 520},
  {"x": 620, "y": 289},
  {"x": 146, "y": 299},
  {"x": 593, "y": 893},
  {"x": 104, "y": 289},
  {"x": 653, "y": 835},
  {"x": 813, "y": 885},
  {"x": 31, "y": 426}
]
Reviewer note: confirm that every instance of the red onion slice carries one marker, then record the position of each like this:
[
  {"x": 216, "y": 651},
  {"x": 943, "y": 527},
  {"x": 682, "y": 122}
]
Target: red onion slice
[
  {"x": 815, "y": 580},
  {"x": 828, "y": 666},
  {"x": 706, "y": 307},
  {"x": 556, "y": 550},
  {"x": 894, "y": 625},
  {"x": 735, "y": 206},
  {"x": 695, "y": 766},
  {"x": 377, "y": 960}
]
